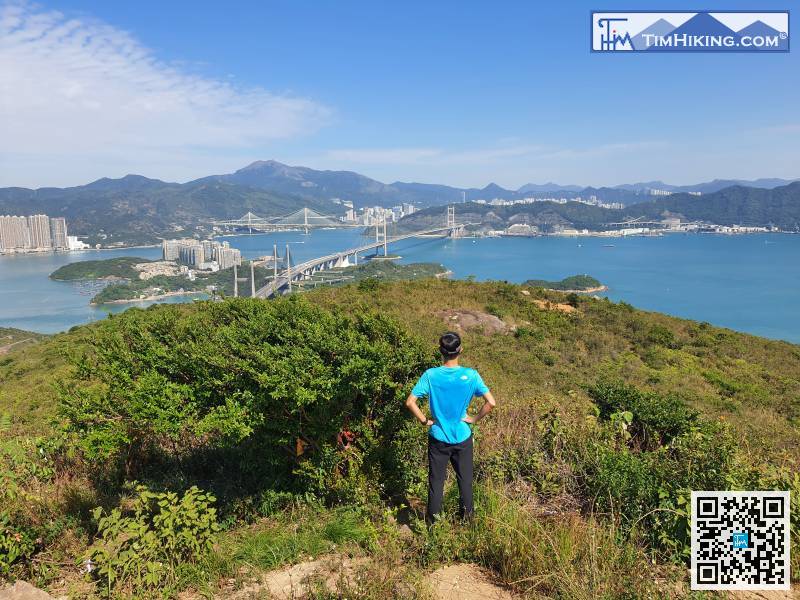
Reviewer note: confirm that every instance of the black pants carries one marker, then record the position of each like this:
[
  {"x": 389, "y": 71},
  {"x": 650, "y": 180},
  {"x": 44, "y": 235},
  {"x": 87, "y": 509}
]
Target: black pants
[{"x": 460, "y": 456}]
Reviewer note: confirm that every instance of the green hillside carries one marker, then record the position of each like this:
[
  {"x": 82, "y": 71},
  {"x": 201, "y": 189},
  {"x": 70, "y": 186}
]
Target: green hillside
[
  {"x": 12, "y": 339},
  {"x": 121, "y": 267},
  {"x": 574, "y": 283},
  {"x": 607, "y": 416}
]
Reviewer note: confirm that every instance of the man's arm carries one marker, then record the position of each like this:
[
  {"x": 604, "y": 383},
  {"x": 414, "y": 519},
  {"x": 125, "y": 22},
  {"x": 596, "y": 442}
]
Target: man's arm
[
  {"x": 488, "y": 404},
  {"x": 411, "y": 404}
]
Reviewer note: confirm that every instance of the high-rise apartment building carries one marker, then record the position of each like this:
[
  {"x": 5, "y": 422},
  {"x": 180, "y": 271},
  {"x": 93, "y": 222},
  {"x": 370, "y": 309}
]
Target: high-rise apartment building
[
  {"x": 33, "y": 233},
  {"x": 39, "y": 226},
  {"x": 14, "y": 233},
  {"x": 192, "y": 255},
  {"x": 58, "y": 233},
  {"x": 227, "y": 257},
  {"x": 171, "y": 249}
]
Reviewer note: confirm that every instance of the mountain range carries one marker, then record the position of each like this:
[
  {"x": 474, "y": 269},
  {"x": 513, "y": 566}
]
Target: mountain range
[
  {"x": 737, "y": 205},
  {"x": 137, "y": 209}
]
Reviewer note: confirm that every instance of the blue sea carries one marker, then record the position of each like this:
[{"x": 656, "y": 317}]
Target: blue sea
[{"x": 750, "y": 283}]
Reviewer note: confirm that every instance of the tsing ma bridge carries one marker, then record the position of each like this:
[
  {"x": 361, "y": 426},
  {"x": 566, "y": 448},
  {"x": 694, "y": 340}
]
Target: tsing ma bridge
[{"x": 282, "y": 281}]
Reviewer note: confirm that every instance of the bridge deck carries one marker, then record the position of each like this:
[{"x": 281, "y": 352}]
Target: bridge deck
[{"x": 300, "y": 270}]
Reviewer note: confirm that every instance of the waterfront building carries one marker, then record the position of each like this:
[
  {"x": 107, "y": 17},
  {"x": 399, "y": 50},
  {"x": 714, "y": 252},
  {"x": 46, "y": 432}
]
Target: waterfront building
[
  {"x": 171, "y": 249},
  {"x": 14, "y": 233},
  {"x": 58, "y": 233},
  {"x": 73, "y": 243},
  {"x": 39, "y": 226}
]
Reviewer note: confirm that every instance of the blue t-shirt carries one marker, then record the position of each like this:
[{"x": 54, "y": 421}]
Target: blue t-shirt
[{"x": 449, "y": 391}]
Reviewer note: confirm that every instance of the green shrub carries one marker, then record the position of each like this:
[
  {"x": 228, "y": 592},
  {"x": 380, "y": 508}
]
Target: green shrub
[
  {"x": 140, "y": 549},
  {"x": 16, "y": 543},
  {"x": 496, "y": 310},
  {"x": 646, "y": 485},
  {"x": 662, "y": 336},
  {"x": 236, "y": 387},
  {"x": 656, "y": 419}
]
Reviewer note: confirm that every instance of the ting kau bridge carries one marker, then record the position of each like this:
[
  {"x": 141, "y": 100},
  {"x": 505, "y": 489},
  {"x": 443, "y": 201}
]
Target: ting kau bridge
[{"x": 282, "y": 280}]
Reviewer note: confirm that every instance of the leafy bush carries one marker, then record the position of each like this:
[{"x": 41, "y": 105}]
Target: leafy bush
[
  {"x": 139, "y": 549},
  {"x": 646, "y": 485},
  {"x": 16, "y": 543},
  {"x": 259, "y": 392},
  {"x": 656, "y": 419}
]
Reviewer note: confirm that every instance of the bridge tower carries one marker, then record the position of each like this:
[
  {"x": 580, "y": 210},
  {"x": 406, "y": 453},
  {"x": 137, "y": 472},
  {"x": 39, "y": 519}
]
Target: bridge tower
[
  {"x": 451, "y": 216},
  {"x": 252, "y": 279}
]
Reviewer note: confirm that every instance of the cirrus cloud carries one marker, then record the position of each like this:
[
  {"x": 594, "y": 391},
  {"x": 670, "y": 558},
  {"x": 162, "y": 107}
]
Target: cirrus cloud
[{"x": 75, "y": 91}]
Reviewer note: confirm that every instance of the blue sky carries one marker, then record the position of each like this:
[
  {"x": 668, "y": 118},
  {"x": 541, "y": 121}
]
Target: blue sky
[{"x": 461, "y": 93}]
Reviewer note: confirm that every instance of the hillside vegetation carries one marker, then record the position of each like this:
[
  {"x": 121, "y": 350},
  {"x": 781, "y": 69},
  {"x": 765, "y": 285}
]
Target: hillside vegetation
[
  {"x": 274, "y": 430},
  {"x": 121, "y": 267},
  {"x": 574, "y": 283},
  {"x": 222, "y": 280}
]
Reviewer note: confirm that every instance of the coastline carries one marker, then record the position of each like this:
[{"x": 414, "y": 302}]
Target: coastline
[
  {"x": 600, "y": 288},
  {"x": 149, "y": 298}
]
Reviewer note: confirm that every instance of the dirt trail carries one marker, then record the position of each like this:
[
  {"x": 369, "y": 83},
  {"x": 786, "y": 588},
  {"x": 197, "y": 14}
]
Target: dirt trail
[
  {"x": 453, "y": 582},
  {"x": 772, "y": 595},
  {"x": 465, "y": 582}
]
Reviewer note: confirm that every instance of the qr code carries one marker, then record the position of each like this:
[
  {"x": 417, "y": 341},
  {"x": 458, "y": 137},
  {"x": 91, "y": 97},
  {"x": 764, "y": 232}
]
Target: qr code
[{"x": 740, "y": 541}]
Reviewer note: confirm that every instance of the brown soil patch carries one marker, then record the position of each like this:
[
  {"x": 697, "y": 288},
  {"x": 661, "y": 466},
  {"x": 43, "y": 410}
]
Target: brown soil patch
[
  {"x": 291, "y": 583},
  {"x": 465, "y": 582},
  {"x": 765, "y": 595},
  {"x": 547, "y": 305},
  {"x": 459, "y": 320}
]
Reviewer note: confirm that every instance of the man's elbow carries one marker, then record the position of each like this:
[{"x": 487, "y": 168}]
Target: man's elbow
[
  {"x": 410, "y": 401},
  {"x": 490, "y": 401}
]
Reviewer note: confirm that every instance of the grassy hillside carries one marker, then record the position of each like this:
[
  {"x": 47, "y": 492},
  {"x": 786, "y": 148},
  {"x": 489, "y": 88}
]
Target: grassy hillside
[
  {"x": 573, "y": 283},
  {"x": 217, "y": 395},
  {"x": 12, "y": 340}
]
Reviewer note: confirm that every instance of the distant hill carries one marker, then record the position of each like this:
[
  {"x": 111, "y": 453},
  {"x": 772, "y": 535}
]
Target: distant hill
[
  {"x": 363, "y": 191},
  {"x": 706, "y": 187},
  {"x": 736, "y": 205},
  {"x": 137, "y": 210}
]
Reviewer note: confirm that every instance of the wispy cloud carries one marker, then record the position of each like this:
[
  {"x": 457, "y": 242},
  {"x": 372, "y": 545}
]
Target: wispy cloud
[
  {"x": 440, "y": 156},
  {"x": 76, "y": 88}
]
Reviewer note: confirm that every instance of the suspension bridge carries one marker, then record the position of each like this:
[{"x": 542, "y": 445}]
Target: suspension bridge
[
  {"x": 305, "y": 219},
  {"x": 282, "y": 280}
]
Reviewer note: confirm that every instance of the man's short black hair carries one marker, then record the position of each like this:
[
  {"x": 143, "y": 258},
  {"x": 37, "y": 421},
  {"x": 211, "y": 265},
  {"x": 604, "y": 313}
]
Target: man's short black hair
[{"x": 450, "y": 344}]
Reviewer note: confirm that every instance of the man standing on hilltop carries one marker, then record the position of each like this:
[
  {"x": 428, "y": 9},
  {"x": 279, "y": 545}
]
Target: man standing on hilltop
[{"x": 449, "y": 389}]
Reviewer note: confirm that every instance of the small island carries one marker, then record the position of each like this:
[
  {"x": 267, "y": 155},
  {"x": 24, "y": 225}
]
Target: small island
[{"x": 579, "y": 284}]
